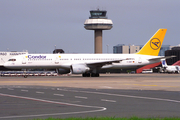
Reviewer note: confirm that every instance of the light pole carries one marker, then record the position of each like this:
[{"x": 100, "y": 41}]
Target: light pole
[{"x": 107, "y": 48}]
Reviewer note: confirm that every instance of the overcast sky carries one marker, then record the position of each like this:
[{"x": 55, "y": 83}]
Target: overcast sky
[{"x": 39, "y": 25}]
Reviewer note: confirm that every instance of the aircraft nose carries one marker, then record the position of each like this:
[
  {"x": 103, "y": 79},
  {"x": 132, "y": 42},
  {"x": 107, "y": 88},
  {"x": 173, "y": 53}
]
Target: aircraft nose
[{"x": 6, "y": 64}]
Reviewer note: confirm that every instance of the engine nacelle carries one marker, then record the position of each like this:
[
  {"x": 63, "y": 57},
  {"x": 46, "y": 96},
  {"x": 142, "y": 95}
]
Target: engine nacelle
[
  {"x": 62, "y": 71},
  {"x": 79, "y": 69}
]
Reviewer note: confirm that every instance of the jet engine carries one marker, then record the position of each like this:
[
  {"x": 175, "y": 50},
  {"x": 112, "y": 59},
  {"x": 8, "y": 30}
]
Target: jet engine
[
  {"x": 62, "y": 71},
  {"x": 79, "y": 69}
]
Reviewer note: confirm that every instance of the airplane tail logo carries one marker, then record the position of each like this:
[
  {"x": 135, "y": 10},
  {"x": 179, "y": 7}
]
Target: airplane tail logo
[
  {"x": 163, "y": 62},
  {"x": 153, "y": 46},
  {"x": 155, "y": 43}
]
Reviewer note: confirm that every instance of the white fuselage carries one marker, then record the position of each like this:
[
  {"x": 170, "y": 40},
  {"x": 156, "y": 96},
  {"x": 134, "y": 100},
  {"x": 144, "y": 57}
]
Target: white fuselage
[
  {"x": 173, "y": 69},
  {"x": 65, "y": 61}
]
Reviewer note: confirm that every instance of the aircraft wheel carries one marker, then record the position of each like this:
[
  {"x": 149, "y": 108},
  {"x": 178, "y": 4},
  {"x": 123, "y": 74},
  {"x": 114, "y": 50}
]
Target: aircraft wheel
[
  {"x": 25, "y": 76},
  {"x": 86, "y": 74},
  {"x": 94, "y": 74}
]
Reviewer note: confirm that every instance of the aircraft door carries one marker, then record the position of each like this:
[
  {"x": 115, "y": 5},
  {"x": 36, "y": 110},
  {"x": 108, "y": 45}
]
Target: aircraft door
[
  {"x": 24, "y": 60},
  {"x": 57, "y": 60},
  {"x": 140, "y": 60}
]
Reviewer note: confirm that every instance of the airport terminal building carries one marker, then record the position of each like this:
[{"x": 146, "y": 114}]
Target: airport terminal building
[
  {"x": 130, "y": 49},
  {"x": 175, "y": 50}
]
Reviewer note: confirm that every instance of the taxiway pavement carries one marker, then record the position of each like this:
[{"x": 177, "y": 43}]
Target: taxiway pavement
[{"x": 117, "y": 95}]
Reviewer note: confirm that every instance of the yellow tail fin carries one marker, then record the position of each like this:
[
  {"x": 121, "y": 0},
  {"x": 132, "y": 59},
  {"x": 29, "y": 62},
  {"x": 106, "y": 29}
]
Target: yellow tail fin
[{"x": 153, "y": 46}]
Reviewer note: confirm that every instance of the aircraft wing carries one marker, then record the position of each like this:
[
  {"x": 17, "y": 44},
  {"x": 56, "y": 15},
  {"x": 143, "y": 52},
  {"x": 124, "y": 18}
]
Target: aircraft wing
[
  {"x": 101, "y": 63},
  {"x": 161, "y": 57}
]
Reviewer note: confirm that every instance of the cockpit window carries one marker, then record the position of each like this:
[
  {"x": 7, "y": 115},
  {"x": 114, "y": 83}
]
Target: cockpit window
[{"x": 12, "y": 60}]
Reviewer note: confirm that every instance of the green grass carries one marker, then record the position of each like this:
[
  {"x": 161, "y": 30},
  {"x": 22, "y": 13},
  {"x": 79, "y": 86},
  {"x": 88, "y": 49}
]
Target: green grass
[{"x": 110, "y": 118}]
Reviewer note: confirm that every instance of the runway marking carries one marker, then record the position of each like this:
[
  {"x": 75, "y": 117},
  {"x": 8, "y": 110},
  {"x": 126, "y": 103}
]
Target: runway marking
[
  {"x": 24, "y": 90},
  {"x": 10, "y": 89},
  {"x": 53, "y": 88},
  {"x": 40, "y": 92},
  {"x": 151, "y": 85},
  {"x": 81, "y": 97},
  {"x": 144, "y": 85},
  {"x": 58, "y": 88},
  {"x": 105, "y": 87},
  {"x": 108, "y": 100},
  {"x": 129, "y": 96},
  {"x": 53, "y": 102},
  {"x": 58, "y": 94}
]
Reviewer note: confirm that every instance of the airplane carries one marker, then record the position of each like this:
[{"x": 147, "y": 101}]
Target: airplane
[
  {"x": 89, "y": 64},
  {"x": 169, "y": 68}
]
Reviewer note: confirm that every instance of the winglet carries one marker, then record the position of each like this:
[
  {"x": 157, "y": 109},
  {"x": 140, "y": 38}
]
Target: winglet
[{"x": 153, "y": 46}]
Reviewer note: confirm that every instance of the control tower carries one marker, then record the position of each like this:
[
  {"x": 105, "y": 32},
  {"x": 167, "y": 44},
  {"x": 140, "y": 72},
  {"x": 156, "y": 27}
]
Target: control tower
[{"x": 98, "y": 22}]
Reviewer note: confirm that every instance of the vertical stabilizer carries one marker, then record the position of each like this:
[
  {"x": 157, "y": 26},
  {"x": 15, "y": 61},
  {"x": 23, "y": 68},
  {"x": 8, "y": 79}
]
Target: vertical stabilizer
[
  {"x": 164, "y": 64},
  {"x": 153, "y": 46}
]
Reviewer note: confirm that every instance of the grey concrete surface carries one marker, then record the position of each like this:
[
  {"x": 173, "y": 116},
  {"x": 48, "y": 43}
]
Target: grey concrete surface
[
  {"x": 114, "y": 95},
  {"x": 169, "y": 82}
]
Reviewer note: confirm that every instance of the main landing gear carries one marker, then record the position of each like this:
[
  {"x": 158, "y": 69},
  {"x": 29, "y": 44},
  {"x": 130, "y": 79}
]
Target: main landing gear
[
  {"x": 25, "y": 76},
  {"x": 90, "y": 74}
]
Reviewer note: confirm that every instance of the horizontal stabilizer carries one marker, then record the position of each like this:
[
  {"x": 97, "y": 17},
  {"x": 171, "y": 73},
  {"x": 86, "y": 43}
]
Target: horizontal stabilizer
[{"x": 161, "y": 57}]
